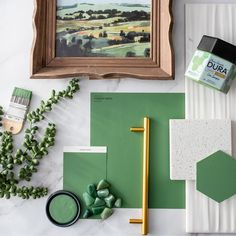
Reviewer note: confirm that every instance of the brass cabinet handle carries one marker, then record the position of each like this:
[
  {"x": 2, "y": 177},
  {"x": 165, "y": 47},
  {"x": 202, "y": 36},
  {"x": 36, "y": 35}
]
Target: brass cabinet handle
[{"x": 146, "y": 133}]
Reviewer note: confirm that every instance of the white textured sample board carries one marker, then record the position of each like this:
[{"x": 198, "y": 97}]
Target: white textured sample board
[
  {"x": 194, "y": 140},
  {"x": 204, "y": 215}
]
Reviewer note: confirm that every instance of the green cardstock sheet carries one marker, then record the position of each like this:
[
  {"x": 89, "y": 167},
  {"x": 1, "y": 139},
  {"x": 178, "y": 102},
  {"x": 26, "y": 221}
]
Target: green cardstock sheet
[
  {"x": 81, "y": 169},
  {"x": 112, "y": 116}
]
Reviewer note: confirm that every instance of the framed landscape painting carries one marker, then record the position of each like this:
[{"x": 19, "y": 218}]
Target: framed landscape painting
[
  {"x": 102, "y": 39},
  {"x": 104, "y": 28}
]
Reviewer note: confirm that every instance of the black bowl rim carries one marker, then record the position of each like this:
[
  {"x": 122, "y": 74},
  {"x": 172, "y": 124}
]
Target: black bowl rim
[{"x": 74, "y": 197}]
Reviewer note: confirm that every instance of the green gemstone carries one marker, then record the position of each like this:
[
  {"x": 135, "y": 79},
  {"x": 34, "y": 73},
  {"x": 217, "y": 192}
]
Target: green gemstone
[
  {"x": 118, "y": 203},
  {"x": 110, "y": 200},
  {"x": 91, "y": 190},
  {"x": 99, "y": 202},
  {"x": 98, "y": 210},
  {"x": 107, "y": 212},
  {"x": 88, "y": 199},
  {"x": 103, "y": 184},
  {"x": 103, "y": 193},
  {"x": 87, "y": 214}
]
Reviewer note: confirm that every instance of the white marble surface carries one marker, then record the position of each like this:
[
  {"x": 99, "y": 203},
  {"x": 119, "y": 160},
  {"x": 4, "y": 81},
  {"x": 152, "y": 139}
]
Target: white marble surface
[{"x": 27, "y": 218}]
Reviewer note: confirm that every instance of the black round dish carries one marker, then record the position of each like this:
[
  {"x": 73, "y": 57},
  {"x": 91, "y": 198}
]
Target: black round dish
[{"x": 70, "y": 194}]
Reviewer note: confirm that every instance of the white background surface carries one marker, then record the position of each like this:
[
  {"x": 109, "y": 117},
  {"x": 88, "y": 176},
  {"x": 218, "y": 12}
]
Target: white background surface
[
  {"x": 27, "y": 218},
  {"x": 204, "y": 214}
]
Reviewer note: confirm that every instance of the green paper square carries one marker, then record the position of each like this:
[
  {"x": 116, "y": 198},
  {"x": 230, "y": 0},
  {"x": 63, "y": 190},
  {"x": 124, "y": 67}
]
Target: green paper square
[
  {"x": 82, "y": 169},
  {"x": 112, "y": 115}
]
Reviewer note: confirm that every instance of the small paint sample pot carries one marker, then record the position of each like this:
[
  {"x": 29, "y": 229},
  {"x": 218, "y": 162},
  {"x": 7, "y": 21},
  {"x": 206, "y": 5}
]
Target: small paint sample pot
[
  {"x": 63, "y": 208},
  {"x": 213, "y": 64}
]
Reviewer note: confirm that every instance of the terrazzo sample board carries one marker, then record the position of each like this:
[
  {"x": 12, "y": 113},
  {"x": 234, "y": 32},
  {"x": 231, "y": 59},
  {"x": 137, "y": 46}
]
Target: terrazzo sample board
[
  {"x": 204, "y": 215},
  {"x": 193, "y": 140}
]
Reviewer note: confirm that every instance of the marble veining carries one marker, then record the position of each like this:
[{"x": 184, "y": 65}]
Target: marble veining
[{"x": 28, "y": 218}]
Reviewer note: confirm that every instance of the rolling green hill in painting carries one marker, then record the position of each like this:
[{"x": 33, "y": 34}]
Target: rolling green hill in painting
[{"x": 104, "y": 30}]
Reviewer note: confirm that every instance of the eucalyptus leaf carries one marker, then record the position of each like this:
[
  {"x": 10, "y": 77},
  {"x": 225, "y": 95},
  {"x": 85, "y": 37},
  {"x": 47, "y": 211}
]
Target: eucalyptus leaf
[{"x": 33, "y": 148}]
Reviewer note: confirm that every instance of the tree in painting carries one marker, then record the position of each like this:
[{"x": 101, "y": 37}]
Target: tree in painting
[{"x": 108, "y": 28}]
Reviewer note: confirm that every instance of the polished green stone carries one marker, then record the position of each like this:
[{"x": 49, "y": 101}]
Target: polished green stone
[
  {"x": 98, "y": 210},
  {"x": 91, "y": 190},
  {"x": 103, "y": 184},
  {"x": 110, "y": 200},
  {"x": 87, "y": 214},
  {"x": 99, "y": 202},
  {"x": 118, "y": 203},
  {"x": 88, "y": 199},
  {"x": 103, "y": 193},
  {"x": 107, "y": 212}
]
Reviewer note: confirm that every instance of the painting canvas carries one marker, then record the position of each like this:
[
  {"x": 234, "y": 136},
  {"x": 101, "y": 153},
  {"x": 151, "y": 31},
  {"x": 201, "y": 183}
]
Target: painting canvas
[{"x": 103, "y": 28}]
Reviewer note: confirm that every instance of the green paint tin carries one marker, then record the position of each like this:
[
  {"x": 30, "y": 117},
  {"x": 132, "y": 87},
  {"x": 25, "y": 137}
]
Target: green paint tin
[
  {"x": 213, "y": 64},
  {"x": 63, "y": 208}
]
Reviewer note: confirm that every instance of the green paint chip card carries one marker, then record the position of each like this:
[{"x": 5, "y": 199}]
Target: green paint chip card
[
  {"x": 83, "y": 166},
  {"x": 112, "y": 116}
]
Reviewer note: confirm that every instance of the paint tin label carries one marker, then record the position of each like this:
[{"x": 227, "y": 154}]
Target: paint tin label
[
  {"x": 210, "y": 69},
  {"x": 198, "y": 64},
  {"x": 216, "y": 72}
]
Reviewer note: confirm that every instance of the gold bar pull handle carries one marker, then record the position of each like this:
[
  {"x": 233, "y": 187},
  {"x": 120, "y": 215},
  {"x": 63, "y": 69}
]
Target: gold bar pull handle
[
  {"x": 146, "y": 133},
  {"x": 137, "y": 129},
  {"x": 135, "y": 221}
]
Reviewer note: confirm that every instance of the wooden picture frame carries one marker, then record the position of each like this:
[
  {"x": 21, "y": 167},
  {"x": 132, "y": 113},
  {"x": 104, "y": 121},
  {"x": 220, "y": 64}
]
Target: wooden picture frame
[{"x": 160, "y": 64}]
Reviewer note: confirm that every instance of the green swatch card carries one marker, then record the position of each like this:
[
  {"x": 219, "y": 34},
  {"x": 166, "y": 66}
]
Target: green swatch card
[
  {"x": 83, "y": 166},
  {"x": 112, "y": 116}
]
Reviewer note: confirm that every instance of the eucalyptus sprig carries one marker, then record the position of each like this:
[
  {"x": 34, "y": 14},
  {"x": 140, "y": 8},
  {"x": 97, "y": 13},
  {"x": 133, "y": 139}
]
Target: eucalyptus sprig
[
  {"x": 6, "y": 150},
  {"x": 33, "y": 149},
  {"x": 46, "y": 106}
]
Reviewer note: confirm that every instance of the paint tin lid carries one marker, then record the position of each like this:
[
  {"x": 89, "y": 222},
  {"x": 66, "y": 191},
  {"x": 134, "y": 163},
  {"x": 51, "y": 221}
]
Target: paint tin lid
[
  {"x": 219, "y": 48},
  {"x": 63, "y": 208}
]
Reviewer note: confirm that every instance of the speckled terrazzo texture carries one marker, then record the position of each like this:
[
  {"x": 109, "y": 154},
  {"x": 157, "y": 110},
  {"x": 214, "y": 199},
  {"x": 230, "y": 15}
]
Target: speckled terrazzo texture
[{"x": 193, "y": 140}]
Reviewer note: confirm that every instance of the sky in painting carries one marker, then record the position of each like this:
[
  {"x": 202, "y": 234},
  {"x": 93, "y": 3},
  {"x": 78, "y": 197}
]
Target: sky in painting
[{"x": 71, "y": 2}]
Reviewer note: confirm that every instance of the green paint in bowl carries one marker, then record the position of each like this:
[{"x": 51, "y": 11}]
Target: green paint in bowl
[{"x": 63, "y": 208}]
